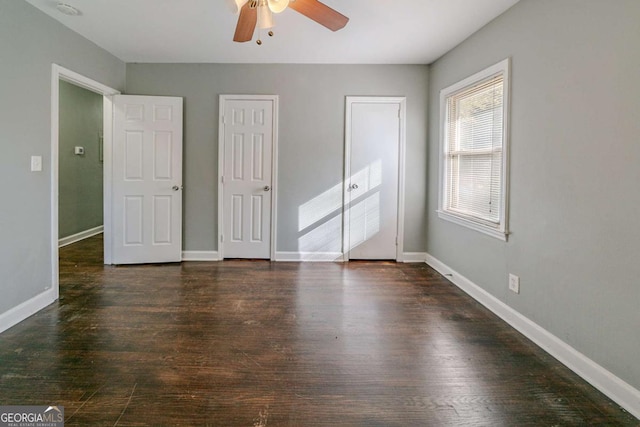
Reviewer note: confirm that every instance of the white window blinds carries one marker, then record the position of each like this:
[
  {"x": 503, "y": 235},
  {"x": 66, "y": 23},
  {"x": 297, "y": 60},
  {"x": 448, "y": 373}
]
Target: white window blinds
[{"x": 473, "y": 150}]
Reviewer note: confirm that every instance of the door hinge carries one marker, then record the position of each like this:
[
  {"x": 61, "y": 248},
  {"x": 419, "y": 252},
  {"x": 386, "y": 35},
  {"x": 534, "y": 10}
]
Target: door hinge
[
  {"x": 396, "y": 240},
  {"x": 222, "y": 179},
  {"x": 222, "y": 238},
  {"x": 224, "y": 120}
]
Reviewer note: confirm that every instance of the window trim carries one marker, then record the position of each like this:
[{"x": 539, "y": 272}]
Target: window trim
[{"x": 501, "y": 230}]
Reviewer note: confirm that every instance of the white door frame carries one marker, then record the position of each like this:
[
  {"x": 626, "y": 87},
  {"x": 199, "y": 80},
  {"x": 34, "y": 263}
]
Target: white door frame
[
  {"x": 274, "y": 167},
  {"x": 60, "y": 73},
  {"x": 402, "y": 102}
]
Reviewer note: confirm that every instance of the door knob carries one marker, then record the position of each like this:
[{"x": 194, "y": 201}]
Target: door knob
[
  {"x": 266, "y": 188},
  {"x": 354, "y": 186},
  {"x": 175, "y": 188}
]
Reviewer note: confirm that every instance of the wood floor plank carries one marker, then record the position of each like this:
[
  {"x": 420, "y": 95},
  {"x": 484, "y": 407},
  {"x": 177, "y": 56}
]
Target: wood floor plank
[{"x": 255, "y": 343}]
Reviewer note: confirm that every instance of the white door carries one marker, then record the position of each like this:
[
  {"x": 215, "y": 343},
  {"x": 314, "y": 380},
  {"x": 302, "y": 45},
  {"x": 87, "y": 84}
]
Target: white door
[
  {"x": 248, "y": 133},
  {"x": 147, "y": 179},
  {"x": 374, "y": 143}
]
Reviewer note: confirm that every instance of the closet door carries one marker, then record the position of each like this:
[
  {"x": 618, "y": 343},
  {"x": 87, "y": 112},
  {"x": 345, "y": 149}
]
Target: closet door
[{"x": 372, "y": 184}]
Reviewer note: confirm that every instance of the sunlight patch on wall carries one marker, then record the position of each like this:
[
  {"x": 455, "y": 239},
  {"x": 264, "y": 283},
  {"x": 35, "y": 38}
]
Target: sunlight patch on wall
[
  {"x": 320, "y": 219},
  {"x": 319, "y": 207},
  {"x": 326, "y": 237}
]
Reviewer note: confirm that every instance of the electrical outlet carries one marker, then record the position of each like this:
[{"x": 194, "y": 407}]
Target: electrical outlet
[
  {"x": 36, "y": 163},
  {"x": 514, "y": 283}
]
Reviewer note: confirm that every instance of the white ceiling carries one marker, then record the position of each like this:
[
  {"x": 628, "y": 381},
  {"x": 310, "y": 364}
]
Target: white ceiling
[{"x": 379, "y": 31}]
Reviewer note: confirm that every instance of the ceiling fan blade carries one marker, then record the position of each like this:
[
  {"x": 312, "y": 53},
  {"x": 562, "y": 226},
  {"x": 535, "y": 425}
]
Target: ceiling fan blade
[
  {"x": 246, "y": 23},
  {"x": 321, "y": 13}
]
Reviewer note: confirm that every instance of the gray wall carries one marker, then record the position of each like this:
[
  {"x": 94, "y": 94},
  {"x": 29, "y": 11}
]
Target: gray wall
[
  {"x": 29, "y": 43},
  {"x": 311, "y": 134},
  {"x": 79, "y": 176},
  {"x": 575, "y": 171}
]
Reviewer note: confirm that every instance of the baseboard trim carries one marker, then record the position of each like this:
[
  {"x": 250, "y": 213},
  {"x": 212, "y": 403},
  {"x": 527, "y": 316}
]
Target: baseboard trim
[
  {"x": 614, "y": 387},
  {"x": 414, "y": 257},
  {"x": 338, "y": 257},
  {"x": 28, "y": 308},
  {"x": 200, "y": 256},
  {"x": 309, "y": 256},
  {"x": 80, "y": 236}
]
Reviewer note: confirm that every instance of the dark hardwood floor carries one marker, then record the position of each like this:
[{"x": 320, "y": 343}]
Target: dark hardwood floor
[{"x": 255, "y": 343}]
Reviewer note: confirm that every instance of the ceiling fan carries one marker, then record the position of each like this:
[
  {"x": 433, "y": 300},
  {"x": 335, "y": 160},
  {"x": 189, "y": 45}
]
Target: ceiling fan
[{"x": 258, "y": 13}]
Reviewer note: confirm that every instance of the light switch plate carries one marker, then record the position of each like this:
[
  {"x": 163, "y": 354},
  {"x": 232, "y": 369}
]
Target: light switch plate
[{"x": 36, "y": 163}]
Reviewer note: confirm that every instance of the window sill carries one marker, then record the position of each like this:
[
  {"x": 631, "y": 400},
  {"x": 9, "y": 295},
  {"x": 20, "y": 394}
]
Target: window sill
[{"x": 477, "y": 226}]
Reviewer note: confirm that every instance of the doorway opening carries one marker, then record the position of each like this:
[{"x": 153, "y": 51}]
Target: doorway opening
[
  {"x": 60, "y": 76},
  {"x": 80, "y": 164}
]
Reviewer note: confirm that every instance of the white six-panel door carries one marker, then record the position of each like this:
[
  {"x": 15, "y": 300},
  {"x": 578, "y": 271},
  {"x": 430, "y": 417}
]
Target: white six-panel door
[
  {"x": 147, "y": 179},
  {"x": 247, "y": 131},
  {"x": 374, "y": 151}
]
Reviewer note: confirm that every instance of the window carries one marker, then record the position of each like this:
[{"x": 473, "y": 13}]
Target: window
[{"x": 474, "y": 115}]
